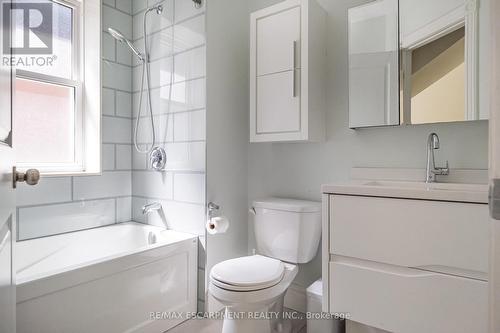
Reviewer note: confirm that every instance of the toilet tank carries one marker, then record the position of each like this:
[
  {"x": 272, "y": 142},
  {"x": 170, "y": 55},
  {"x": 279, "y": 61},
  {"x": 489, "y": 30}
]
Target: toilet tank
[{"x": 287, "y": 229}]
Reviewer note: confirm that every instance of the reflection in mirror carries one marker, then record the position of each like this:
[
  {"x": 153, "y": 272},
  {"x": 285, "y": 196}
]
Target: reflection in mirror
[
  {"x": 438, "y": 61},
  {"x": 373, "y": 64}
]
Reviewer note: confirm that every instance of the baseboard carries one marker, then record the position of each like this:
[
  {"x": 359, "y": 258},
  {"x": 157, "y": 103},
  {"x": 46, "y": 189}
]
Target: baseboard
[{"x": 296, "y": 298}]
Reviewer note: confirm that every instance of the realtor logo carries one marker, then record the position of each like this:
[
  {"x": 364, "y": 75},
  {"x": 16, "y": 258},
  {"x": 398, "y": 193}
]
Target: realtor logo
[{"x": 31, "y": 24}]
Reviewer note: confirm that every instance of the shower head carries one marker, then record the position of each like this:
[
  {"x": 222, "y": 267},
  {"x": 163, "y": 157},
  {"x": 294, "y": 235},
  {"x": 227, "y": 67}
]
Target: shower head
[{"x": 122, "y": 39}]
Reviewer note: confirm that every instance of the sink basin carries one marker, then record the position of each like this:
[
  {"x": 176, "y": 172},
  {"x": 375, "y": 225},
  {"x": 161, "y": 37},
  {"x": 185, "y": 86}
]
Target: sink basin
[
  {"x": 458, "y": 192},
  {"x": 429, "y": 186}
]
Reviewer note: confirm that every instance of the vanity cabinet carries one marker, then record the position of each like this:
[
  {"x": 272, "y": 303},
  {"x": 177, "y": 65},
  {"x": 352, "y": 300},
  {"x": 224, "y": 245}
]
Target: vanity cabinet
[
  {"x": 287, "y": 72},
  {"x": 406, "y": 265}
]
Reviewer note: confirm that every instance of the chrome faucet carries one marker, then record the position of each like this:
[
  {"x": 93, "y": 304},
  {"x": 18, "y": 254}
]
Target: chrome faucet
[
  {"x": 146, "y": 209},
  {"x": 432, "y": 171}
]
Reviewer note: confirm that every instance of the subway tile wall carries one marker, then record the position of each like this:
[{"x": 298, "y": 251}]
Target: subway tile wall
[
  {"x": 64, "y": 204},
  {"x": 178, "y": 101}
]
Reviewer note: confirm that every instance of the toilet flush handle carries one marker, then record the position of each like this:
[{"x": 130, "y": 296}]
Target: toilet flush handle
[{"x": 252, "y": 211}]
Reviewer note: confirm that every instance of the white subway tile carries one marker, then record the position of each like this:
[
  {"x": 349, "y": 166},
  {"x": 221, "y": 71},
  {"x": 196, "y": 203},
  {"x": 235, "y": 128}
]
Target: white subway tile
[
  {"x": 123, "y": 104},
  {"x": 160, "y": 44},
  {"x": 185, "y": 9},
  {"x": 116, "y": 76},
  {"x": 124, "y": 209},
  {"x": 190, "y": 64},
  {"x": 109, "y": 184},
  {"x": 108, "y": 157},
  {"x": 116, "y": 130},
  {"x": 190, "y": 33},
  {"x": 123, "y": 54},
  {"x": 108, "y": 101},
  {"x": 163, "y": 129},
  {"x": 112, "y": 18},
  {"x": 161, "y": 72},
  {"x": 137, "y": 204},
  {"x": 123, "y": 157},
  {"x": 139, "y": 159},
  {"x": 55, "y": 219},
  {"x": 125, "y": 5},
  {"x": 190, "y": 126},
  {"x": 138, "y": 5},
  {"x": 152, "y": 184},
  {"x": 108, "y": 47},
  {"x": 185, "y": 96},
  {"x": 48, "y": 190},
  {"x": 185, "y": 217},
  {"x": 185, "y": 156},
  {"x": 189, "y": 187}
]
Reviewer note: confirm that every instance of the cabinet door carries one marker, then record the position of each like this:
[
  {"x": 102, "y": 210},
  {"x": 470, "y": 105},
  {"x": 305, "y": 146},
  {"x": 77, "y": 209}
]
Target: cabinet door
[
  {"x": 278, "y": 107},
  {"x": 405, "y": 300},
  {"x": 278, "y": 38},
  {"x": 446, "y": 237}
]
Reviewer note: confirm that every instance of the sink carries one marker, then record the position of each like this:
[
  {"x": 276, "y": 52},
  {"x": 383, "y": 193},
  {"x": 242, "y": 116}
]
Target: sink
[
  {"x": 458, "y": 192},
  {"x": 429, "y": 186}
]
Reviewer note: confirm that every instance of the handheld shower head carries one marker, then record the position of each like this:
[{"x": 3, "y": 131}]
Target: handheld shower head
[{"x": 122, "y": 39}]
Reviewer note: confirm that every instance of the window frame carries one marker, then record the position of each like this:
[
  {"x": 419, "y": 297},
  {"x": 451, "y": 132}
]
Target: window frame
[{"x": 87, "y": 124}]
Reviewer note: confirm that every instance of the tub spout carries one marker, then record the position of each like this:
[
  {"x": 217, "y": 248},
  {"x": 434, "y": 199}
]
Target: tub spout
[{"x": 155, "y": 206}]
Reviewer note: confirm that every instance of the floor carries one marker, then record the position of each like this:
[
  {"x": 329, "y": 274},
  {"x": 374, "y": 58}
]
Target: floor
[{"x": 215, "y": 326}]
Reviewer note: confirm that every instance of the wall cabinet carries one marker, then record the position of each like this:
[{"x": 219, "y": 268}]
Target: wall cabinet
[{"x": 287, "y": 72}]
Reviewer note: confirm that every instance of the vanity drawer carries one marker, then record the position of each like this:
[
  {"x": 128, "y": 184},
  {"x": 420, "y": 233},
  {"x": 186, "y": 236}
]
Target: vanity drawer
[
  {"x": 406, "y": 300},
  {"x": 447, "y": 237}
]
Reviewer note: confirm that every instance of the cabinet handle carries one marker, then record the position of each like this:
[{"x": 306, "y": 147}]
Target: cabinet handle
[{"x": 294, "y": 91}]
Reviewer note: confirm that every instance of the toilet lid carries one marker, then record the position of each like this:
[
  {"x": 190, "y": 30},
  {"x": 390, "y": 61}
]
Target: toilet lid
[{"x": 247, "y": 273}]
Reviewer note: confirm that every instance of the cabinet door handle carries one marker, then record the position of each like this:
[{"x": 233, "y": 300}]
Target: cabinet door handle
[{"x": 294, "y": 65}]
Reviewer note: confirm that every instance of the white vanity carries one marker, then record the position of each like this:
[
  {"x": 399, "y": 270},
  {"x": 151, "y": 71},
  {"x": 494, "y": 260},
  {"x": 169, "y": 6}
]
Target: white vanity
[{"x": 407, "y": 257}]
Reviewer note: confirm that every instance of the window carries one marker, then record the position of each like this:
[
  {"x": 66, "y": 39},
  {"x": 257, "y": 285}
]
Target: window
[{"x": 56, "y": 111}]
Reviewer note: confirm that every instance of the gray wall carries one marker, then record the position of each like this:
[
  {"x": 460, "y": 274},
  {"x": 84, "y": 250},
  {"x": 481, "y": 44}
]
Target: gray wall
[{"x": 298, "y": 170}]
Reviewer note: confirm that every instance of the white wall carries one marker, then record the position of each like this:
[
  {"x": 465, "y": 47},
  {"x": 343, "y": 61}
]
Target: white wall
[
  {"x": 227, "y": 123},
  {"x": 298, "y": 170}
]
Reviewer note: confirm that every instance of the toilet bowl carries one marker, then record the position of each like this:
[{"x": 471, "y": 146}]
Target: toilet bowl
[{"x": 253, "y": 288}]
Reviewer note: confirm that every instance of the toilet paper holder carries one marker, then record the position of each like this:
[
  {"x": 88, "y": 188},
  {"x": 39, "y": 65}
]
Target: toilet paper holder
[{"x": 213, "y": 209}]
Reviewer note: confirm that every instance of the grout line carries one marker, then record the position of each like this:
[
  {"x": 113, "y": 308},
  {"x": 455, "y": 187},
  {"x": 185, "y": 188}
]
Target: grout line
[
  {"x": 175, "y": 54},
  {"x": 200, "y": 78},
  {"x": 114, "y": 157},
  {"x": 71, "y": 202},
  {"x": 117, "y": 9},
  {"x": 116, "y": 210},
  {"x": 170, "y": 200}
]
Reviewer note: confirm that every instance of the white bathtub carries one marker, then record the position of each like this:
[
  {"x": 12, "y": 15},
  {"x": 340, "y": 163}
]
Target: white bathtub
[{"x": 105, "y": 280}]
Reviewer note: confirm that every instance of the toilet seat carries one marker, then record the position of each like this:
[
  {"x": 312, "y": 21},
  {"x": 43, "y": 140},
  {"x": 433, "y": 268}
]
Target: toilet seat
[{"x": 249, "y": 273}]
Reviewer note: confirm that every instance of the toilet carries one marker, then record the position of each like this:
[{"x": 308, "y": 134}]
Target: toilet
[{"x": 252, "y": 288}]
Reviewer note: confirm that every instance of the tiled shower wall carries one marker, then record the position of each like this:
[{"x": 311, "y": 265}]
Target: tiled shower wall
[
  {"x": 180, "y": 124},
  {"x": 63, "y": 204},
  {"x": 181, "y": 187}
]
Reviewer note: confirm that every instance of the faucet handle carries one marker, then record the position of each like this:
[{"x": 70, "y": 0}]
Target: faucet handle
[{"x": 443, "y": 171}]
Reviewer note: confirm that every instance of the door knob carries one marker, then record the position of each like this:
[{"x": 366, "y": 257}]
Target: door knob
[{"x": 31, "y": 177}]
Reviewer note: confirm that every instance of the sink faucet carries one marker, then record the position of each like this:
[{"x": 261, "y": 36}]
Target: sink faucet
[{"x": 432, "y": 171}]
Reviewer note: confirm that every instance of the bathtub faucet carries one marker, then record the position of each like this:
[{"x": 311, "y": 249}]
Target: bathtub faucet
[{"x": 146, "y": 209}]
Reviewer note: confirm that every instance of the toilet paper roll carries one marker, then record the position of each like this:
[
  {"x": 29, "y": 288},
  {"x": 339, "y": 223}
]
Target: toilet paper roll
[{"x": 217, "y": 225}]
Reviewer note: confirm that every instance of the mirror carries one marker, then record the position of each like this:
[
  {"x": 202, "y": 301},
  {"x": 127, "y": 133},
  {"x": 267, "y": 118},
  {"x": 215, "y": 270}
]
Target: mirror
[
  {"x": 430, "y": 76},
  {"x": 373, "y": 64}
]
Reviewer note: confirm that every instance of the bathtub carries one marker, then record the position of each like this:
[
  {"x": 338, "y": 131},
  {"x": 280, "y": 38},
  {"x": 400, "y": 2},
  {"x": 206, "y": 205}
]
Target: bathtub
[{"x": 109, "y": 279}]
